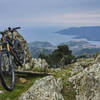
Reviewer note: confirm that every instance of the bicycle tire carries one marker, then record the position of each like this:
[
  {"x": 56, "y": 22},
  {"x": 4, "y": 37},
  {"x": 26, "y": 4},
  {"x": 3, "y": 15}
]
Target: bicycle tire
[
  {"x": 19, "y": 53},
  {"x": 7, "y": 73}
]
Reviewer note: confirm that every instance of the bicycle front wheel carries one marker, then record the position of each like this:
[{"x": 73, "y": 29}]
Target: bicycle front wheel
[{"x": 7, "y": 71}]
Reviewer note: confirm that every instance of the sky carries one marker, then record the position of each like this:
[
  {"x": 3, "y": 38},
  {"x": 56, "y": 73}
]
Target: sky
[{"x": 49, "y": 13}]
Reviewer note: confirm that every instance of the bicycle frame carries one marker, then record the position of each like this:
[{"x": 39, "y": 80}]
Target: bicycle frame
[{"x": 9, "y": 44}]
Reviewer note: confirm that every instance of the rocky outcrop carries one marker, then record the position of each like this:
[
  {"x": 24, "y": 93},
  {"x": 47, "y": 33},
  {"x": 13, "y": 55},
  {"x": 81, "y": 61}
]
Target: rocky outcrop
[
  {"x": 37, "y": 64},
  {"x": 31, "y": 63},
  {"x": 81, "y": 64},
  {"x": 19, "y": 37},
  {"x": 87, "y": 82},
  {"x": 23, "y": 42},
  {"x": 40, "y": 63},
  {"x": 97, "y": 60},
  {"x": 47, "y": 88}
]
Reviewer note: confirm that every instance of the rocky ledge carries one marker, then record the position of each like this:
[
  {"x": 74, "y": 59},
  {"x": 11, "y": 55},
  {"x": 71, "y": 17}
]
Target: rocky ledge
[
  {"x": 47, "y": 88},
  {"x": 86, "y": 82}
]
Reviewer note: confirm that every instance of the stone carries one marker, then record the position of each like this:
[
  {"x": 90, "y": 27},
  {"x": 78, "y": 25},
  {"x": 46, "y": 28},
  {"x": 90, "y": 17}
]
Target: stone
[
  {"x": 1, "y": 92},
  {"x": 22, "y": 80},
  {"x": 47, "y": 88},
  {"x": 40, "y": 63},
  {"x": 27, "y": 66},
  {"x": 97, "y": 60},
  {"x": 81, "y": 65},
  {"x": 87, "y": 83}
]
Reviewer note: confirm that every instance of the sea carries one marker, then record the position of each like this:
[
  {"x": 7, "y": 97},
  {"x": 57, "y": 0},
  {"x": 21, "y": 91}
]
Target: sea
[{"x": 49, "y": 34}]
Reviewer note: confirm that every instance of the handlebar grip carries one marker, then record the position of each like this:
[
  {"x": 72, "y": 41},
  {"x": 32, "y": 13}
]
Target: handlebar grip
[{"x": 16, "y": 28}]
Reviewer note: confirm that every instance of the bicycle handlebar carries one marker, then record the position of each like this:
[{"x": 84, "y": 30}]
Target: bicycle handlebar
[
  {"x": 10, "y": 29},
  {"x": 13, "y": 29}
]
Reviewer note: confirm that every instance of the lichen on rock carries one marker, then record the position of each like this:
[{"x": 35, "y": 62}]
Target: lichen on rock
[
  {"x": 47, "y": 88},
  {"x": 40, "y": 64},
  {"x": 87, "y": 83}
]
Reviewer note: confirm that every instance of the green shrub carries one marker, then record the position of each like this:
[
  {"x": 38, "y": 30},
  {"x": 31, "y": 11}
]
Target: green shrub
[{"x": 59, "y": 57}]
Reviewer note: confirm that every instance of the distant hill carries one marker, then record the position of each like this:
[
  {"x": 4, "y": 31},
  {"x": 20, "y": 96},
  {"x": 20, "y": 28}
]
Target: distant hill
[
  {"x": 77, "y": 47},
  {"x": 91, "y": 33},
  {"x": 40, "y": 44},
  {"x": 38, "y": 47},
  {"x": 81, "y": 47}
]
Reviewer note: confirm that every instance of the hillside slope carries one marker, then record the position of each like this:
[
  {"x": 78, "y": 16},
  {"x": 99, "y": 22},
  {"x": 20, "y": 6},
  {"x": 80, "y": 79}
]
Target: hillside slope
[
  {"x": 77, "y": 47},
  {"x": 91, "y": 33}
]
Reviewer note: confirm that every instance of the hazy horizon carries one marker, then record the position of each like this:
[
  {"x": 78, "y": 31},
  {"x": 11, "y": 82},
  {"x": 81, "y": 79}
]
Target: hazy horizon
[
  {"x": 39, "y": 19},
  {"x": 48, "y": 34}
]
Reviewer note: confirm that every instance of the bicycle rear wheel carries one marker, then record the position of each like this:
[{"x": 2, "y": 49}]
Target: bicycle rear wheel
[
  {"x": 19, "y": 53},
  {"x": 7, "y": 71}
]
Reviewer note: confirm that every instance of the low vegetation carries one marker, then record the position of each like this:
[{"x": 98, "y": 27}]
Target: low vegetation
[
  {"x": 68, "y": 92},
  {"x": 59, "y": 57},
  {"x": 19, "y": 88}
]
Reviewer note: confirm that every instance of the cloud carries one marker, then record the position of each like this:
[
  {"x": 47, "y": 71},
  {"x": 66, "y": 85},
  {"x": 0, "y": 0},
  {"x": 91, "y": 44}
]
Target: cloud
[
  {"x": 77, "y": 19},
  {"x": 53, "y": 12}
]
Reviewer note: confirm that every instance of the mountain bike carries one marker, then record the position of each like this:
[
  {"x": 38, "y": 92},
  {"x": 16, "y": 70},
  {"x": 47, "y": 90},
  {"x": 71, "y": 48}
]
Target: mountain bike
[{"x": 10, "y": 51}]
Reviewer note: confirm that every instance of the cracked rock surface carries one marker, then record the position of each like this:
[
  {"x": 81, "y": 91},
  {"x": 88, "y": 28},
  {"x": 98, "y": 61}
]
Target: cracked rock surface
[
  {"x": 87, "y": 82},
  {"x": 47, "y": 88}
]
